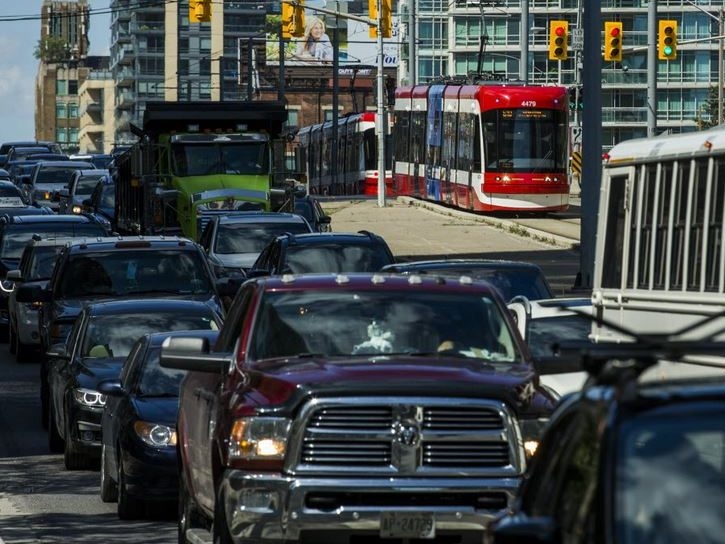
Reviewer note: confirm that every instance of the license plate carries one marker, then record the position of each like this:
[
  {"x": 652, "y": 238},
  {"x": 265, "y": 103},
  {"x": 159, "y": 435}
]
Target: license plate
[{"x": 407, "y": 525}]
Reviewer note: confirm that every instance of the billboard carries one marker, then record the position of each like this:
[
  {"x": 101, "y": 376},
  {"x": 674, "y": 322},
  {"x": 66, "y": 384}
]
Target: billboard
[{"x": 324, "y": 32}]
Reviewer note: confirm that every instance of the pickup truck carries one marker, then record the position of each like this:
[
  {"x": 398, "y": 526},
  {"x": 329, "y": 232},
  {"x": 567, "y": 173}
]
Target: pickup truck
[{"x": 354, "y": 407}]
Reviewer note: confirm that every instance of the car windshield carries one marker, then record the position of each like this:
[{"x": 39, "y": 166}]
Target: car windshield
[
  {"x": 158, "y": 381},
  {"x": 42, "y": 262},
  {"x": 336, "y": 323},
  {"x": 125, "y": 273},
  {"x": 509, "y": 282},
  {"x": 86, "y": 184},
  {"x": 670, "y": 481},
  {"x": 251, "y": 238},
  {"x": 113, "y": 335},
  {"x": 332, "y": 257},
  {"x": 545, "y": 331},
  {"x": 15, "y": 239}
]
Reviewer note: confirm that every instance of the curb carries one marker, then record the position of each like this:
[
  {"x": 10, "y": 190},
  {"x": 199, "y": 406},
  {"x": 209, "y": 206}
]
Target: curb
[{"x": 505, "y": 225}]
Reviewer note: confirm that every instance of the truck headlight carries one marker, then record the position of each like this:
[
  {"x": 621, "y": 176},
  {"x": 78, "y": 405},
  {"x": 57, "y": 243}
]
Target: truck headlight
[
  {"x": 531, "y": 431},
  {"x": 259, "y": 438},
  {"x": 155, "y": 434},
  {"x": 89, "y": 397}
]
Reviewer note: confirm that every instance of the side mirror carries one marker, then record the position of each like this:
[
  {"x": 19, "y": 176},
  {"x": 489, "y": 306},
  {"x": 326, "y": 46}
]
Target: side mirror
[
  {"x": 112, "y": 388},
  {"x": 14, "y": 275},
  {"x": 32, "y": 293},
  {"x": 325, "y": 219},
  {"x": 192, "y": 353},
  {"x": 58, "y": 351}
]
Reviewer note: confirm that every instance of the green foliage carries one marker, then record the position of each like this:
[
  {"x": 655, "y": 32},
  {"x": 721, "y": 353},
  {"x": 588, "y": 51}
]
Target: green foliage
[
  {"x": 707, "y": 116},
  {"x": 51, "y": 49}
]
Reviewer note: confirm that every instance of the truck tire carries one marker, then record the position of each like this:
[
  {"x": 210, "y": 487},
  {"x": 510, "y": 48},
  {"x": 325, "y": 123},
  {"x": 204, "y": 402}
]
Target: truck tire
[
  {"x": 189, "y": 517},
  {"x": 220, "y": 529}
]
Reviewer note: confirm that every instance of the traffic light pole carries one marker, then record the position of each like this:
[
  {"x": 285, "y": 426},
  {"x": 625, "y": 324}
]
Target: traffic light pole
[
  {"x": 380, "y": 118},
  {"x": 652, "y": 69}
]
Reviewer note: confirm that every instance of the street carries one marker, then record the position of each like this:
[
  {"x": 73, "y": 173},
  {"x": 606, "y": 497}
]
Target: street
[{"x": 42, "y": 502}]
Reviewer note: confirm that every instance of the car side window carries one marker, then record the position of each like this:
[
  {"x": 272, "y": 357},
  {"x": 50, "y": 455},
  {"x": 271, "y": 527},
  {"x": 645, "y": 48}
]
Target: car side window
[
  {"x": 129, "y": 366},
  {"x": 234, "y": 321}
]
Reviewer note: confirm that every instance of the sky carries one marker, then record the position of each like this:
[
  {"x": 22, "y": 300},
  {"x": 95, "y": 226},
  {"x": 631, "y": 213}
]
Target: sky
[{"x": 18, "y": 66}]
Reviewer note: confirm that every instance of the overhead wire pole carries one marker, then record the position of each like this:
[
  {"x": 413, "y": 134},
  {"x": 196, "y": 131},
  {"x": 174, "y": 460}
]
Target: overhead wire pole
[{"x": 380, "y": 118}]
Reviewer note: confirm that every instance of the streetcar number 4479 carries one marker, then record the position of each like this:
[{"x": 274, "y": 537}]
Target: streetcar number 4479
[{"x": 528, "y": 104}]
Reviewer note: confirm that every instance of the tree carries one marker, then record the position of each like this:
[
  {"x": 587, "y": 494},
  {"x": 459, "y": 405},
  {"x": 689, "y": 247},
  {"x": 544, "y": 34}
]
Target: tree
[
  {"x": 52, "y": 49},
  {"x": 707, "y": 117}
]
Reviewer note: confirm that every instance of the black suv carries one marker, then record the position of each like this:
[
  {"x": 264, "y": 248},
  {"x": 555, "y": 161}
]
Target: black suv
[
  {"x": 116, "y": 267},
  {"x": 632, "y": 458},
  {"x": 323, "y": 252},
  {"x": 16, "y": 231}
]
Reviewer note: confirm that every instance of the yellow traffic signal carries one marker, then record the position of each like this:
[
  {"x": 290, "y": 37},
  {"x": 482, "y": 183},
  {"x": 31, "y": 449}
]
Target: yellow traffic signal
[
  {"x": 667, "y": 40},
  {"x": 612, "y": 41},
  {"x": 386, "y": 18},
  {"x": 293, "y": 20},
  {"x": 558, "y": 38},
  {"x": 199, "y": 11}
]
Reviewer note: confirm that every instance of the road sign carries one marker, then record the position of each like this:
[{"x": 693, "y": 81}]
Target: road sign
[
  {"x": 577, "y": 39},
  {"x": 576, "y": 163}
]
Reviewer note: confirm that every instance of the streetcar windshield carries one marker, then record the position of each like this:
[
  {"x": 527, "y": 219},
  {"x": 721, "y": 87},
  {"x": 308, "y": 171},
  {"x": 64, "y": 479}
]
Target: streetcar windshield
[
  {"x": 525, "y": 140},
  {"x": 204, "y": 159}
]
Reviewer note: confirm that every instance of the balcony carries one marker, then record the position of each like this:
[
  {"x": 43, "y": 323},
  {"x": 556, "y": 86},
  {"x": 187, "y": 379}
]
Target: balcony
[
  {"x": 125, "y": 100},
  {"x": 125, "y": 77}
]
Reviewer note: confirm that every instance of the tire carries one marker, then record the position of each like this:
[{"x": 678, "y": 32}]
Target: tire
[
  {"x": 72, "y": 457},
  {"x": 55, "y": 442},
  {"x": 128, "y": 507},
  {"x": 23, "y": 352},
  {"x": 109, "y": 489},
  {"x": 188, "y": 515},
  {"x": 220, "y": 529},
  {"x": 12, "y": 339}
]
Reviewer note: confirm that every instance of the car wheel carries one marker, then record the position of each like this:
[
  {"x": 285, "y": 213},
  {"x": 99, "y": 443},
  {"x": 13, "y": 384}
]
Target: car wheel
[
  {"x": 109, "y": 490},
  {"x": 220, "y": 530},
  {"x": 23, "y": 352},
  {"x": 189, "y": 517},
  {"x": 44, "y": 394},
  {"x": 128, "y": 507},
  {"x": 55, "y": 442},
  {"x": 73, "y": 459},
  {"x": 12, "y": 338}
]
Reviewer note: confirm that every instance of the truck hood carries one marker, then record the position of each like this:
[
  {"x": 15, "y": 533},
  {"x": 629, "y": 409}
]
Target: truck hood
[{"x": 286, "y": 383}]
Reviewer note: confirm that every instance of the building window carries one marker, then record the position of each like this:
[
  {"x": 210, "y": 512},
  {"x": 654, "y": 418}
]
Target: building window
[
  {"x": 61, "y": 111},
  {"x": 73, "y": 135},
  {"x": 205, "y": 45},
  {"x": 73, "y": 111},
  {"x": 61, "y": 87},
  {"x": 61, "y": 135},
  {"x": 73, "y": 86},
  {"x": 293, "y": 118}
]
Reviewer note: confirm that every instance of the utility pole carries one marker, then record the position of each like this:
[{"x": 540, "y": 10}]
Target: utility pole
[
  {"x": 524, "y": 64},
  {"x": 380, "y": 118},
  {"x": 652, "y": 69}
]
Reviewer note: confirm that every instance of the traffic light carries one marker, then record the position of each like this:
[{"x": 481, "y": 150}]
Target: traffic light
[
  {"x": 558, "y": 38},
  {"x": 612, "y": 41},
  {"x": 293, "y": 19},
  {"x": 199, "y": 11},
  {"x": 576, "y": 98},
  {"x": 386, "y": 18},
  {"x": 667, "y": 40}
]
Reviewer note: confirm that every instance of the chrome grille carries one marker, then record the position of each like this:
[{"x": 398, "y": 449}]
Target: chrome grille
[{"x": 407, "y": 436}]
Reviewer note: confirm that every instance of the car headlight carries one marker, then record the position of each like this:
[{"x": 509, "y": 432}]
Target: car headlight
[
  {"x": 531, "y": 431},
  {"x": 155, "y": 434},
  {"x": 89, "y": 397},
  {"x": 259, "y": 439},
  {"x": 76, "y": 208}
]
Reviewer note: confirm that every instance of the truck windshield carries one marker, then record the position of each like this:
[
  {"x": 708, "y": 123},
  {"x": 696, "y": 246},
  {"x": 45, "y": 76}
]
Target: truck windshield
[{"x": 220, "y": 158}]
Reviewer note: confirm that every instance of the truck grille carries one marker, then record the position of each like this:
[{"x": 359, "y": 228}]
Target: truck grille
[{"x": 406, "y": 437}]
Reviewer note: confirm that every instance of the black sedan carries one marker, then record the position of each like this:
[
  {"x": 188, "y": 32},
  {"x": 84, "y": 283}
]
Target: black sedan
[
  {"x": 99, "y": 342},
  {"x": 138, "y": 427}
]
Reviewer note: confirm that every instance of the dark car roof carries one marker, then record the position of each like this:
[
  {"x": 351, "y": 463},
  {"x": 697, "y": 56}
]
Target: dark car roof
[
  {"x": 52, "y": 218},
  {"x": 134, "y": 242},
  {"x": 261, "y": 217},
  {"x": 112, "y": 307},
  {"x": 70, "y": 165},
  {"x": 443, "y": 264},
  {"x": 322, "y": 237}
]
